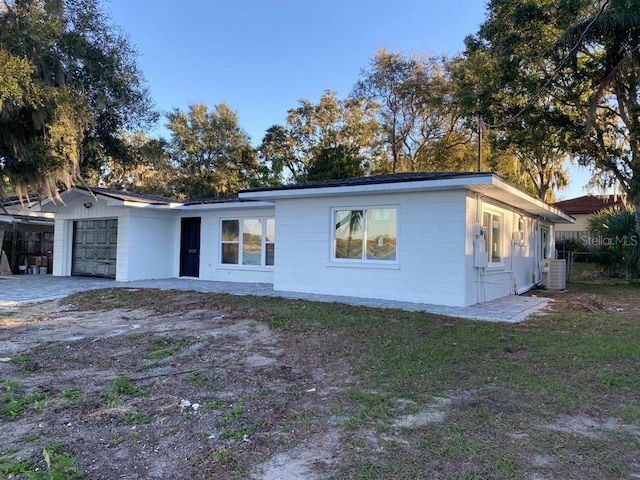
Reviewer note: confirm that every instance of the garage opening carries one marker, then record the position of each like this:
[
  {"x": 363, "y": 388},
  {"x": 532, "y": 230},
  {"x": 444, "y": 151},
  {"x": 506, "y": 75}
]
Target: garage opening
[{"x": 95, "y": 245}]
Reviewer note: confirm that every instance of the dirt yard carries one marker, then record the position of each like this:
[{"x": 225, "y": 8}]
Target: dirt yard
[
  {"x": 139, "y": 395},
  {"x": 181, "y": 390}
]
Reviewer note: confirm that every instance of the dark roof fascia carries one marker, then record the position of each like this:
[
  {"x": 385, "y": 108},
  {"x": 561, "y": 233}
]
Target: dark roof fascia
[
  {"x": 213, "y": 200},
  {"x": 16, "y": 200},
  {"x": 33, "y": 219},
  {"x": 29, "y": 218},
  {"x": 218, "y": 202},
  {"x": 128, "y": 196}
]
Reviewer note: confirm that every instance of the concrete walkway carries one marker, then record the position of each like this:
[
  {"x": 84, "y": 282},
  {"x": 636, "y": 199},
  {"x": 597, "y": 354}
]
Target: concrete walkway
[{"x": 18, "y": 289}]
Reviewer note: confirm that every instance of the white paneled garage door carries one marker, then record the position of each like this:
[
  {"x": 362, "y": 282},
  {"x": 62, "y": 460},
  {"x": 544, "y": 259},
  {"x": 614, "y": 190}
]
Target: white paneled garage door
[{"x": 94, "y": 247}]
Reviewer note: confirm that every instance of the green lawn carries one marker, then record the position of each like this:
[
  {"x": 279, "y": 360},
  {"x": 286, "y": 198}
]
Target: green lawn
[{"x": 558, "y": 396}]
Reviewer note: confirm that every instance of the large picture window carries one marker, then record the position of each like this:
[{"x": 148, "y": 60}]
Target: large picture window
[
  {"x": 248, "y": 241},
  {"x": 492, "y": 222},
  {"x": 365, "y": 234}
]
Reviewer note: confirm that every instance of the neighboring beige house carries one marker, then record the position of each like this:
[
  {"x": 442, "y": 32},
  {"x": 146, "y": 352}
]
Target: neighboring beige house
[{"x": 582, "y": 208}]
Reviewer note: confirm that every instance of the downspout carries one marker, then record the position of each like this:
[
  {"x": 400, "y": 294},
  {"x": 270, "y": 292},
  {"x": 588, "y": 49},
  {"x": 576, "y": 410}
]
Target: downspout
[
  {"x": 512, "y": 280},
  {"x": 538, "y": 265},
  {"x": 481, "y": 280}
]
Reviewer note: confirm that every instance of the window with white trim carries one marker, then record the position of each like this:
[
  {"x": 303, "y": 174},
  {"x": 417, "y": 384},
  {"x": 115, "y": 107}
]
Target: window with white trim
[
  {"x": 367, "y": 234},
  {"x": 247, "y": 241},
  {"x": 492, "y": 222}
]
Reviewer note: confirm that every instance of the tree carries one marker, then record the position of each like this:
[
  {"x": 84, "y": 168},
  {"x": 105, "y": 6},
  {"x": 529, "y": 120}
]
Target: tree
[
  {"x": 605, "y": 55},
  {"x": 573, "y": 68},
  {"x": 619, "y": 242},
  {"x": 281, "y": 156},
  {"x": 502, "y": 79},
  {"x": 69, "y": 84},
  {"x": 335, "y": 162},
  {"x": 328, "y": 127},
  {"x": 212, "y": 154},
  {"x": 540, "y": 158},
  {"x": 142, "y": 166},
  {"x": 420, "y": 124}
]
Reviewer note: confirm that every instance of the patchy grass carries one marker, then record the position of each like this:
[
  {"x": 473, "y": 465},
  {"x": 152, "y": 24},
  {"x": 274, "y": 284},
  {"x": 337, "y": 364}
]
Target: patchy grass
[
  {"x": 201, "y": 379},
  {"x": 55, "y": 465},
  {"x": 122, "y": 386},
  {"x": 133, "y": 417},
  {"x": 164, "y": 348},
  {"x": 14, "y": 401},
  {"x": 431, "y": 397}
]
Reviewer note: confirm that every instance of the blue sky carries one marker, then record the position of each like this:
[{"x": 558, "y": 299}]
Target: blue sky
[{"x": 261, "y": 57}]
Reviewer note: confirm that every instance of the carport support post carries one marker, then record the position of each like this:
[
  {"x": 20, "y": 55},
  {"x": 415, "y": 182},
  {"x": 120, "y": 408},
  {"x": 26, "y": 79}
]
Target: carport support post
[{"x": 14, "y": 242}]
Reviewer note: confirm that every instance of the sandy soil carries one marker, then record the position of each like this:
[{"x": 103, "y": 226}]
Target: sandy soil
[{"x": 217, "y": 393}]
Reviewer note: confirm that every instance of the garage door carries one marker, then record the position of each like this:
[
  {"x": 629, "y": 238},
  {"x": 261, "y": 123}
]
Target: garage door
[{"x": 94, "y": 247}]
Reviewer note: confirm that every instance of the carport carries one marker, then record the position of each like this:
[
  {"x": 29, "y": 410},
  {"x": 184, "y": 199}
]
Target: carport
[{"x": 26, "y": 234}]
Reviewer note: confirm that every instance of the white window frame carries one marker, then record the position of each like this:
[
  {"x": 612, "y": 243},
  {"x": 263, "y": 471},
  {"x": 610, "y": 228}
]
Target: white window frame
[
  {"x": 494, "y": 213},
  {"x": 263, "y": 245},
  {"x": 363, "y": 261}
]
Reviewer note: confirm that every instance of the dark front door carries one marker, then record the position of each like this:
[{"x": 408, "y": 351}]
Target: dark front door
[{"x": 190, "y": 247}]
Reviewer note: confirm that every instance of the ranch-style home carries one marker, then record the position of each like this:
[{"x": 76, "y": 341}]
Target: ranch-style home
[{"x": 441, "y": 238}]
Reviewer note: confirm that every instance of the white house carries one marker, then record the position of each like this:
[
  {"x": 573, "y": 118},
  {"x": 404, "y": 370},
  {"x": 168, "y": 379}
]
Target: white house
[{"x": 442, "y": 238}]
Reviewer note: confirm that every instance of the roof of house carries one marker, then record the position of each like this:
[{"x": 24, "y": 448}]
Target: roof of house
[
  {"x": 588, "y": 204},
  {"x": 372, "y": 180},
  {"x": 129, "y": 196},
  {"x": 17, "y": 200},
  {"x": 483, "y": 183},
  {"x": 213, "y": 200}
]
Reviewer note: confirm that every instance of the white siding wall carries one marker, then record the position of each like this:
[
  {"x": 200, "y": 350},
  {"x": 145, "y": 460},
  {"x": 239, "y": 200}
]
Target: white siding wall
[
  {"x": 147, "y": 246},
  {"x": 517, "y": 272},
  {"x": 431, "y": 233},
  {"x": 210, "y": 266},
  {"x": 61, "y": 250},
  {"x": 525, "y": 261},
  {"x": 472, "y": 278}
]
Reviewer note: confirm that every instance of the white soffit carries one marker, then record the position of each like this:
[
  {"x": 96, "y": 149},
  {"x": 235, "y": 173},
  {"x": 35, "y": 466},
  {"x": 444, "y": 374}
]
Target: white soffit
[{"x": 506, "y": 193}]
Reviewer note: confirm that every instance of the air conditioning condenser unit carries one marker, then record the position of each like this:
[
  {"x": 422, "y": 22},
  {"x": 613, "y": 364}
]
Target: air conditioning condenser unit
[{"x": 554, "y": 274}]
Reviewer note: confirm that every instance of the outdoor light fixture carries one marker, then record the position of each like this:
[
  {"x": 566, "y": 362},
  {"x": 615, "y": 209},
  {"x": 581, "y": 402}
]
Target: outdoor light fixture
[{"x": 88, "y": 205}]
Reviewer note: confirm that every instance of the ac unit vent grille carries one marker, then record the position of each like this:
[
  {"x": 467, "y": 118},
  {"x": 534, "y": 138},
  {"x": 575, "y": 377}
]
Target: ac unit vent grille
[{"x": 554, "y": 274}]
